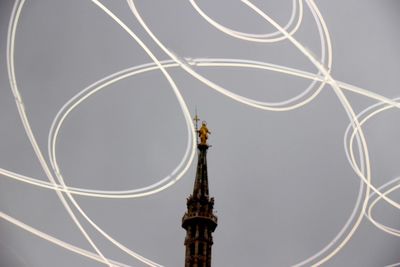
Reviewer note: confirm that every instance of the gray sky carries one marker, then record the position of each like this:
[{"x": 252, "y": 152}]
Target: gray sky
[{"x": 282, "y": 185}]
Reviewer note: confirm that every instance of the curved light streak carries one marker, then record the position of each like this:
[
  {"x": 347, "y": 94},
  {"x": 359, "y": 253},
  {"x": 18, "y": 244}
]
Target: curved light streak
[
  {"x": 83, "y": 95},
  {"x": 384, "y": 228},
  {"x": 11, "y": 70},
  {"x": 58, "y": 242},
  {"x": 200, "y": 62},
  {"x": 21, "y": 110},
  {"x": 191, "y": 133},
  {"x": 326, "y": 74},
  {"x": 323, "y": 76},
  {"x": 129, "y": 72},
  {"x": 262, "y": 38},
  {"x": 370, "y": 113},
  {"x": 96, "y": 87},
  {"x": 250, "y": 102},
  {"x": 353, "y": 163}
]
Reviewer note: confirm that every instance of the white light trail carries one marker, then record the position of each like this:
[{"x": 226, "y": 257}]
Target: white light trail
[
  {"x": 363, "y": 149},
  {"x": 129, "y": 72},
  {"x": 323, "y": 77},
  {"x": 355, "y": 124},
  {"x": 262, "y": 38},
  {"x": 11, "y": 70},
  {"x": 58, "y": 242},
  {"x": 369, "y": 113},
  {"x": 220, "y": 89},
  {"x": 13, "y": 83},
  {"x": 320, "y": 67}
]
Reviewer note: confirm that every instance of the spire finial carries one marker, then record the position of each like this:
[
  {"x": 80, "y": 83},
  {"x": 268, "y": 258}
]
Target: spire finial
[
  {"x": 196, "y": 124},
  {"x": 203, "y": 133}
]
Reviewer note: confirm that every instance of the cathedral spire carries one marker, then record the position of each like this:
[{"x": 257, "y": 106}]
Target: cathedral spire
[
  {"x": 199, "y": 221},
  {"x": 200, "y": 188}
]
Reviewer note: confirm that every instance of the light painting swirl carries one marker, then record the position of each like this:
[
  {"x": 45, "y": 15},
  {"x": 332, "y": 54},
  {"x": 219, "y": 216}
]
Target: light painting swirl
[{"x": 355, "y": 142}]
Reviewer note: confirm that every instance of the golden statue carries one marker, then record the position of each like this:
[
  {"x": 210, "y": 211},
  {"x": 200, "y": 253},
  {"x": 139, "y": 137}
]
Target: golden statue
[{"x": 203, "y": 133}]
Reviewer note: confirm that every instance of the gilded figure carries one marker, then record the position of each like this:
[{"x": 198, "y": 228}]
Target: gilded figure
[{"x": 203, "y": 133}]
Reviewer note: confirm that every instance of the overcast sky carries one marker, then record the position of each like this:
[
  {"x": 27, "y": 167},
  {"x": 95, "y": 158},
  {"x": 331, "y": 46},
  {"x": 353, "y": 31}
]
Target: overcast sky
[{"x": 282, "y": 185}]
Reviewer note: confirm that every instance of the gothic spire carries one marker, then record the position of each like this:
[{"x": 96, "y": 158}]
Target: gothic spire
[
  {"x": 199, "y": 221},
  {"x": 200, "y": 189}
]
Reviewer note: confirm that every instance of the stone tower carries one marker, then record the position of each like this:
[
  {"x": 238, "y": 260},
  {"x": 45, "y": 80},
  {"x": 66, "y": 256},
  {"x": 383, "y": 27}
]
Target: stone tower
[{"x": 199, "y": 221}]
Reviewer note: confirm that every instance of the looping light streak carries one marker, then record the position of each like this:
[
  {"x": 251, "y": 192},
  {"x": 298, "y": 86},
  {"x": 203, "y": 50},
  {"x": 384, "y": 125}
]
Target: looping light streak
[
  {"x": 350, "y": 152},
  {"x": 78, "y": 99},
  {"x": 369, "y": 113},
  {"x": 320, "y": 67},
  {"x": 323, "y": 77},
  {"x": 58, "y": 242},
  {"x": 250, "y": 102},
  {"x": 11, "y": 70},
  {"x": 384, "y": 228},
  {"x": 113, "y": 78},
  {"x": 262, "y": 38},
  {"x": 21, "y": 110}
]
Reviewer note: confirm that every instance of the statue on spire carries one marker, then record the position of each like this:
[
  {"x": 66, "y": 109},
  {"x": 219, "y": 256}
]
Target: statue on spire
[{"x": 203, "y": 133}]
